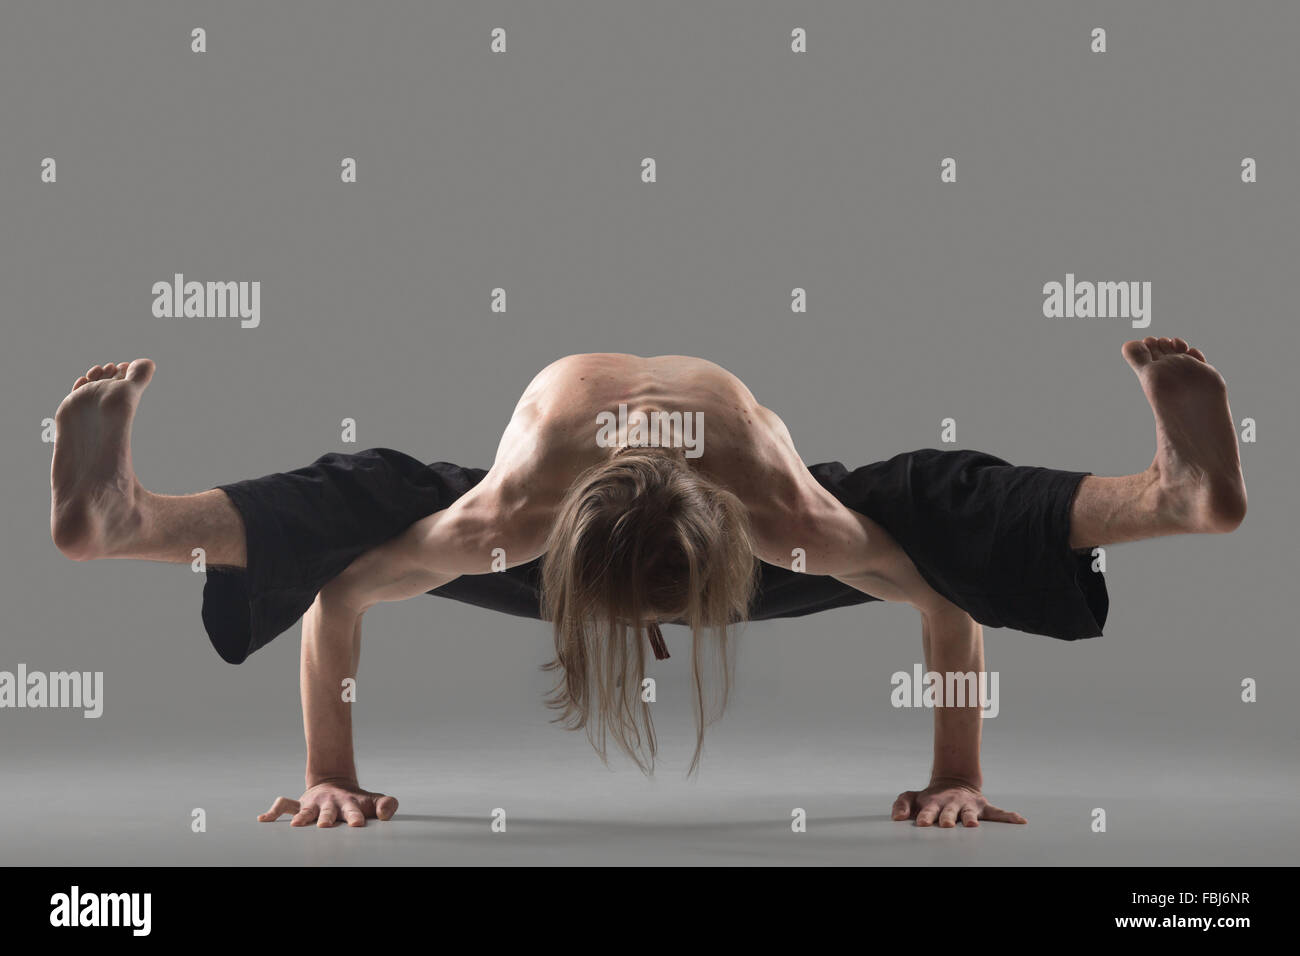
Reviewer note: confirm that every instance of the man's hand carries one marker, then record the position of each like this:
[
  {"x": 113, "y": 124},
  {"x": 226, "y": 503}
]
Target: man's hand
[
  {"x": 326, "y": 802},
  {"x": 950, "y": 802}
]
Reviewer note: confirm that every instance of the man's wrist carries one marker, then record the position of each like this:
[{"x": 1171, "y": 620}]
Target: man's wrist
[
  {"x": 340, "y": 778},
  {"x": 949, "y": 780}
]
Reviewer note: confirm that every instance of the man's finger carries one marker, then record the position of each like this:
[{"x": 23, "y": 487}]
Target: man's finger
[
  {"x": 903, "y": 805},
  {"x": 305, "y": 816},
  {"x": 970, "y": 815},
  {"x": 927, "y": 815},
  {"x": 281, "y": 806},
  {"x": 385, "y": 807},
  {"x": 1002, "y": 816},
  {"x": 329, "y": 815},
  {"x": 352, "y": 813},
  {"x": 948, "y": 818}
]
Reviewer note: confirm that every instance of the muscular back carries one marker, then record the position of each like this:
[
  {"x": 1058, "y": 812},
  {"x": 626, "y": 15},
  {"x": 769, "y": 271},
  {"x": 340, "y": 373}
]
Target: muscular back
[
  {"x": 552, "y": 436},
  {"x": 747, "y": 449}
]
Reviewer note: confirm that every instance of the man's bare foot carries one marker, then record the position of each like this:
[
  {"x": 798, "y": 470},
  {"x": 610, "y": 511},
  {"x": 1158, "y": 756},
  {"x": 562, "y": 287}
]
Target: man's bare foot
[
  {"x": 1197, "y": 467},
  {"x": 95, "y": 497}
]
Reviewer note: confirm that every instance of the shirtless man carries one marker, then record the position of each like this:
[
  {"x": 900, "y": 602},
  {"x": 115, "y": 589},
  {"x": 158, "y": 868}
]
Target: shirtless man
[{"x": 629, "y": 537}]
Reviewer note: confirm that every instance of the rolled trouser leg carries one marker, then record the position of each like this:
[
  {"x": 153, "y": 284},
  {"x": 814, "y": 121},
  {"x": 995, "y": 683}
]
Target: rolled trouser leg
[
  {"x": 303, "y": 527},
  {"x": 991, "y": 537}
]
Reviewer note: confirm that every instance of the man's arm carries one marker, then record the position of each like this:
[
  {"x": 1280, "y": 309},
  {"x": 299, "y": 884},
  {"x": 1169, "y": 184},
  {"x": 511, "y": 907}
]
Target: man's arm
[
  {"x": 953, "y": 644},
  {"x": 429, "y": 554},
  {"x": 855, "y": 550}
]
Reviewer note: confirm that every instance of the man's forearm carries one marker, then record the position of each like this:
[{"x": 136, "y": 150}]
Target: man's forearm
[
  {"x": 331, "y": 636},
  {"x": 331, "y": 651},
  {"x": 954, "y": 644}
]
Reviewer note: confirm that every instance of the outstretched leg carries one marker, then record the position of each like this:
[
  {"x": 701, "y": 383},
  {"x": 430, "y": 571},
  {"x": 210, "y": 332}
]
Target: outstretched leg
[
  {"x": 98, "y": 509},
  {"x": 1194, "y": 484}
]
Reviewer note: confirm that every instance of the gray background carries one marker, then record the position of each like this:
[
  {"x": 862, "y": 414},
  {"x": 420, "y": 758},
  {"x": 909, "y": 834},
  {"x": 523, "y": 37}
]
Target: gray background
[{"x": 776, "y": 170}]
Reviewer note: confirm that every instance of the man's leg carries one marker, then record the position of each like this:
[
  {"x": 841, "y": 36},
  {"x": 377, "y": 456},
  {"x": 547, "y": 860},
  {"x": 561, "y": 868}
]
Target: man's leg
[
  {"x": 1194, "y": 484},
  {"x": 97, "y": 507}
]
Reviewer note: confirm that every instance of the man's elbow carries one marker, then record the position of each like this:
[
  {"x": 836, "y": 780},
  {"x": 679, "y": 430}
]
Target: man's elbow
[
  {"x": 345, "y": 594},
  {"x": 944, "y": 617}
]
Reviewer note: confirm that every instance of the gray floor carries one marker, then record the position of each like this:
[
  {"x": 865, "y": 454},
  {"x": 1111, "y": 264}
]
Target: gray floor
[{"x": 1224, "y": 805}]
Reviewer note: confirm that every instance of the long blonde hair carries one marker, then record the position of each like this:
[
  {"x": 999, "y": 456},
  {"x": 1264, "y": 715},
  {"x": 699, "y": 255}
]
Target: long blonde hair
[{"x": 638, "y": 539}]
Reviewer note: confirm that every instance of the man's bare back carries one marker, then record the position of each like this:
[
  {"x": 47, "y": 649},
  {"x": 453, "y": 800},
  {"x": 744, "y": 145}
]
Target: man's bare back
[{"x": 551, "y": 439}]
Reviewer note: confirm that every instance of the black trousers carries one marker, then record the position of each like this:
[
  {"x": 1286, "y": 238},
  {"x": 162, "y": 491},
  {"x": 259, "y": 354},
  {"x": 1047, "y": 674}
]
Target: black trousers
[{"x": 990, "y": 536}]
